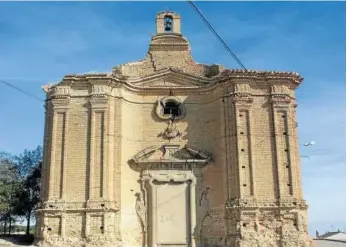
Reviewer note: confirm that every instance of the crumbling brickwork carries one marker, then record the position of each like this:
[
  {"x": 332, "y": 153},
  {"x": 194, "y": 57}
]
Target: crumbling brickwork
[{"x": 229, "y": 154}]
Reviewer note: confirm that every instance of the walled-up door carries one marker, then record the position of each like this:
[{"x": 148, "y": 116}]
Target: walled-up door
[
  {"x": 172, "y": 214},
  {"x": 170, "y": 180}
]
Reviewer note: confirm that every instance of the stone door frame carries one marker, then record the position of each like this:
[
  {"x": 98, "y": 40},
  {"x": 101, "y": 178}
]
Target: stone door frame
[
  {"x": 170, "y": 167},
  {"x": 148, "y": 179}
]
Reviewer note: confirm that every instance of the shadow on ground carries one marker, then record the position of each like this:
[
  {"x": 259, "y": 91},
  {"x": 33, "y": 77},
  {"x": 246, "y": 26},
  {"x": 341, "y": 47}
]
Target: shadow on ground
[{"x": 13, "y": 239}]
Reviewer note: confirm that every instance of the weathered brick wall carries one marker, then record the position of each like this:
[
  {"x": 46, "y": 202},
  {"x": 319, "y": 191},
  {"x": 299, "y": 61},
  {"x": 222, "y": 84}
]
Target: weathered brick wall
[
  {"x": 95, "y": 124},
  {"x": 77, "y": 151},
  {"x": 54, "y": 224},
  {"x": 262, "y": 149},
  {"x": 131, "y": 144},
  {"x": 241, "y": 137},
  {"x": 74, "y": 225}
]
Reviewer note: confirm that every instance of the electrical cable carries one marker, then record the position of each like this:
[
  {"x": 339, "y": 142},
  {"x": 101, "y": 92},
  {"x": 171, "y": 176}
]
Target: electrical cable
[
  {"x": 198, "y": 12},
  {"x": 20, "y": 90}
]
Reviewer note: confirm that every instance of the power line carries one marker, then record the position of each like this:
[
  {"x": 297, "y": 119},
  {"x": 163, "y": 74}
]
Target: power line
[
  {"x": 21, "y": 90},
  {"x": 225, "y": 45},
  {"x": 216, "y": 34}
]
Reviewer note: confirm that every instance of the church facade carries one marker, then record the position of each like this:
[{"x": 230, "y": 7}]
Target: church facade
[{"x": 166, "y": 152}]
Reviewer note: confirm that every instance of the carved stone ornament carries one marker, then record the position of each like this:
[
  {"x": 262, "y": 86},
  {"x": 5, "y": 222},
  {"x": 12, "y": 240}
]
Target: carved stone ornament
[
  {"x": 141, "y": 210},
  {"x": 60, "y": 91},
  {"x": 100, "y": 90},
  {"x": 242, "y": 94},
  {"x": 204, "y": 210},
  {"x": 99, "y": 95},
  {"x": 279, "y": 90},
  {"x": 242, "y": 88},
  {"x": 172, "y": 171},
  {"x": 171, "y": 132},
  {"x": 162, "y": 108},
  {"x": 172, "y": 154}
]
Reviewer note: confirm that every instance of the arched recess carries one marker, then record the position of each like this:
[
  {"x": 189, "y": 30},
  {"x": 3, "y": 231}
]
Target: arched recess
[{"x": 172, "y": 207}]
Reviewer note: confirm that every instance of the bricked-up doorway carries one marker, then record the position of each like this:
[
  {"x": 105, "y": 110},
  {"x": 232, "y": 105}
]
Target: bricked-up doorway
[
  {"x": 171, "y": 184},
  {"x": 170, "y": 212}
]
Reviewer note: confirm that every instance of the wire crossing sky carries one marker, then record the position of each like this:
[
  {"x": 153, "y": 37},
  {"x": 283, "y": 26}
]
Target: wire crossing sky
[{"x": 48, "y": 40}]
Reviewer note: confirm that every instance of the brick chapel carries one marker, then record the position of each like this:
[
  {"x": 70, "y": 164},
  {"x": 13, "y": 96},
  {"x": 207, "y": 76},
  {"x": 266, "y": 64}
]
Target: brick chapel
[{"x": 167, "y": 152}]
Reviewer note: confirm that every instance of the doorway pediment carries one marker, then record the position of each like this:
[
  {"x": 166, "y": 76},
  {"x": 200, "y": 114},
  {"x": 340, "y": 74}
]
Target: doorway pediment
[{"x": 170, "y": 153}]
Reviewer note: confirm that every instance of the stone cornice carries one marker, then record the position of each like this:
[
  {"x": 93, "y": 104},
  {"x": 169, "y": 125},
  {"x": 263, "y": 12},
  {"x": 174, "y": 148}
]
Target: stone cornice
[
  {"x": 262, "y": 75},
  {"x": 199, "y": 84},
  {"x": 195, "y": 80},
  {"x": 96, "y": 77},
  {"x": 88, "y": 206},
  {"x": 286, "y": 203}
]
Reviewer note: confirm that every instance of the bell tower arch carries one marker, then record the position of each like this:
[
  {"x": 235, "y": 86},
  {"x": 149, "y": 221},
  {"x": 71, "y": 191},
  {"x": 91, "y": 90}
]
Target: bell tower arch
[{"x": 168, "y": 22}]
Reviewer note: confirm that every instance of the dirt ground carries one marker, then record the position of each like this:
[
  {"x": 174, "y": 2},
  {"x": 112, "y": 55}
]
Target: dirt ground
[{"x": 12, "y": 241}]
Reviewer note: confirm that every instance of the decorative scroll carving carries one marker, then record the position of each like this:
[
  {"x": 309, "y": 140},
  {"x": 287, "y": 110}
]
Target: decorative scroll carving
[
  {"x": 171, "y": 132},
  {"x": 141, "y": 210},
  {"x": 203, "y": 213},
  {"x": 204, "y": 204}
]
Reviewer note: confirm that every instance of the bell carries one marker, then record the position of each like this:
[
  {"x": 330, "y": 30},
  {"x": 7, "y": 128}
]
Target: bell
[{"x": 168, "y": 26}]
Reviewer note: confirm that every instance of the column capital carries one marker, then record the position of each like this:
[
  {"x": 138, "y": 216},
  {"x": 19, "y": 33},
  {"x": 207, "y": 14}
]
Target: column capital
[
  {"x": 60, "y": 103},
  {"x": 241, "y": 95},
  {"x": 280, "y": 96},
  {"x": 98, "y": 101}
]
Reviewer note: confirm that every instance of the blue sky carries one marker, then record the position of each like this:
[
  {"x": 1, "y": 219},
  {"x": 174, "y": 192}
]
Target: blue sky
[{"x": 40, "y": 42}]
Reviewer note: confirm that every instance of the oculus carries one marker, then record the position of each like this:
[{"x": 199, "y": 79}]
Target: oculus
[{"x": 170, "y": 108}]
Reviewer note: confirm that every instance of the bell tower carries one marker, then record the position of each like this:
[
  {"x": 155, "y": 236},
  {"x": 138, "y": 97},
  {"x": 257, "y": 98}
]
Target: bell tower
[{"x": 168, "y": 23}]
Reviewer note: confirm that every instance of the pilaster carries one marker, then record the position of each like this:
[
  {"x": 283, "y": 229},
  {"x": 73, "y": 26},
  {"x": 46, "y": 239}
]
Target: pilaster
[
  {"x": 229, "y": 148},
  {"x": 63, "y": 224},
  {"x": 242, "y": 112},
  {"x": 280, "y": 102},
  {"x": 98, "y": 173},
  {"x": 60, "y": 100},
  {"x": 87, "y": 226},
  {"x": 46, "y": 144}
]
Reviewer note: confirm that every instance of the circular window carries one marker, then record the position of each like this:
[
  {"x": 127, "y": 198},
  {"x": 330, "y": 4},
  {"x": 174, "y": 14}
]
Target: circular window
[{"x": 170, "y": 107}]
